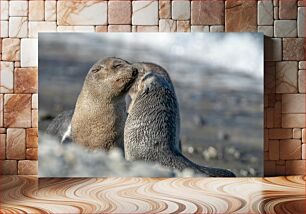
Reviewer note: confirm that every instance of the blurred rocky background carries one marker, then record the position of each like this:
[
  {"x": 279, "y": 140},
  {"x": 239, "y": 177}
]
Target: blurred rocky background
[{"x": 218, "y": 79}]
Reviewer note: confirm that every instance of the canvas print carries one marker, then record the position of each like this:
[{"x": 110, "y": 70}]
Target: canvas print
[{"x": 150, "y": 104}]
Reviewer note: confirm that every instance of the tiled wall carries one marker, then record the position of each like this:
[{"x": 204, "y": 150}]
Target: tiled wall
[{"x": 281, "y": 20}]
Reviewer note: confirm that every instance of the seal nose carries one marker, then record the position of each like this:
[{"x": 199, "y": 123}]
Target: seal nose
[{"x": 134, "y": 71}]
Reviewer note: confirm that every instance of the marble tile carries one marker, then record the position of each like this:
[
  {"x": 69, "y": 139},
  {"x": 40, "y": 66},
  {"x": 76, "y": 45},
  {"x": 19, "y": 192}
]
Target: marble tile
[
  {"x": 119, "y": 28},
  {"x": 293, "y": 103},
  {"x": 17, "y": 110},
  {"x": 15, "y": 144},
  {"x": 145, "y": 13},
  {"x": 18, "y": 27},
  {"x": 167, "y": 25},
  {"x": 293, "y": 49},
  {"x": 266, "y": 30},
  {"x": 293, "y": 120},
  {"x": 303, "y": 151},
  {"x": 26, "y": 80},
  {"x": 34, "y": 118},
  {"x": 180, "y": 10},
  {"x": 265, "y": 12},
  {"x": 269, "y": 168},
  {"x": 286, "y": 77},
  {"x": 11, "y": 49},
  {"x": 301, "y": 22},
  {"x": 275, "y": 3},
  {"x": 90, "y": 12},
  {"x": 119, "y": 12},
  {"x": 199, "y": 28},
  {"x": 17, "y": 64},
  {"x": 2, "y": 146},
  {"x": 285, "y": 28},
  {"x": 7, "y": 77},
  {"x": 304, "y": 135},
  {"x": 273, "y": 150},
  {"x": 239, "y": 16},
  {"x": 18, "y": 8},
  {"x": 280, "y": 169},
  {"x": 101, "y": 28},
  {"x": 280, "y": 133},
  {"x": 207, "y": 12},
  {"x": 8, "y": 167},
  {"x": 4, "y": 29},
  {"x": 38, "y": 26},
  {"x": 29, "y": 49},
  {"x": 290, "y": 149},
  {"x": 301, "y": 83},
  {"x": 301, "y": 3},
  {"x": 32, "y": 154},
  {"x": 2, "y": 130},
  {"x": 4, "y": 10},
  {"x": 1, "y": 110},
  {"x": 36, "y": 10},
  {"x": 269, "y": 121},
  {"x": 134, "y": 28},
  {"x": 266, "y": 144},
  {"x": 164, "y": 9},
  {"x": 50, "y": 10},
  {"x": 75, "y": 29},
  {"x": 32, "y": 138},
  {"x": 287, "y": 9},
  {"x": 302, "y": 65},
  {"x": 27, "y": 167},
  {"x": 266, "y": 135},
  {"x": 269, "y": 79},
  {"x": 280, "y": 162},
  {"x": 297, "y": 133},
  {"x": 273, "y": 49},
  {"x": 34, "y": 101},
  {"x": 216, "y": 28},
  {"x": 275, "y": 13},
  {"x": 277, "y": 117},
  {"x": 147, "y": 28},
  {"x": 183, "y": 26}
]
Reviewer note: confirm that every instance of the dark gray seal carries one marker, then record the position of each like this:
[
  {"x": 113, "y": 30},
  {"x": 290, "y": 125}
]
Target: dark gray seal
[
  {"x": 60, "y": 127},
  {"x": 143, "y": 68},
  {"x": 150, "y": 129}
]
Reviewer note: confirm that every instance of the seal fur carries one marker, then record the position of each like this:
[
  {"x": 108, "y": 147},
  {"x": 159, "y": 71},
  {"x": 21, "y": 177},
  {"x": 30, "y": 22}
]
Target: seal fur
[
  {"x": 143, "y": 68},
  {"x": 100, "y": 111},
  {"x": 150, "y": 130}
]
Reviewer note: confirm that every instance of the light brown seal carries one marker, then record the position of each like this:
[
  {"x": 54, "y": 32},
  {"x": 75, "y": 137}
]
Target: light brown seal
[
  {"x": 100, "y": 112},
  {"x": 150, "y": 130}
]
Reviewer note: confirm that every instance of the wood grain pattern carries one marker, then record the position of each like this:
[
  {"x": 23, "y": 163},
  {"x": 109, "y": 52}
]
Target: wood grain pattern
[{"x": 138, "y": 195}]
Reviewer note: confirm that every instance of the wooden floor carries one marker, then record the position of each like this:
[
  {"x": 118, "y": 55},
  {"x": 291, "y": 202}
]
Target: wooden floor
[{"x": 131, "y": 195}]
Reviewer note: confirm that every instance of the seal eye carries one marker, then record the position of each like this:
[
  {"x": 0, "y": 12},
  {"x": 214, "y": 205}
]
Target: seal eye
[
  {"x": 96, "y": 69},
  {"x": 117, "y": 66}
]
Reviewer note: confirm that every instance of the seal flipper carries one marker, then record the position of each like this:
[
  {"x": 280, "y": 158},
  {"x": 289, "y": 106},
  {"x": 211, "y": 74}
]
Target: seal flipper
[
  {"x": 180, "y": 162},
  {"x": 216, "y": 172},
  {"x": 67, "y": 138},
  {"x": 60, "y": 127}
]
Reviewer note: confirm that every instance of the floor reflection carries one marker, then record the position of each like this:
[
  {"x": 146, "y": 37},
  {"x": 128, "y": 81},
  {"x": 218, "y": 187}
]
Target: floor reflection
[{"x": 131, "y": 195}]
